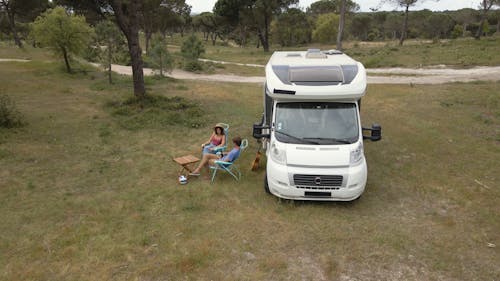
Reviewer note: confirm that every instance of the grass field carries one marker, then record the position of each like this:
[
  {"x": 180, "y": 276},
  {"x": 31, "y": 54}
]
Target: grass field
[
  {"x": 85, "y": 197},
  {"x": 414, "y": 53}
]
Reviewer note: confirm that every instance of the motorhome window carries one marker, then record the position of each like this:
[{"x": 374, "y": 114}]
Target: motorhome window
[
  {"x": 324, "y": 123},
  {"x": 350, "y": 71},
  {"x": 282, "y": 72},
  {"x": 268, "y": 107}
]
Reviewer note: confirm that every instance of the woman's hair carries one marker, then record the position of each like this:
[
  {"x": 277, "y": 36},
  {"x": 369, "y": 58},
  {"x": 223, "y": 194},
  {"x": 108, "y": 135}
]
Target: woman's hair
[
  {"x": 237, "y": 140},
  {"x": 216, "y": 128}
]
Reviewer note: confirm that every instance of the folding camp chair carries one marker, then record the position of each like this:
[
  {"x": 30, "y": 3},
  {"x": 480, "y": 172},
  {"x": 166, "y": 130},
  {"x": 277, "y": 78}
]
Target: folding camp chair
[{"x": 229, "y": 167}]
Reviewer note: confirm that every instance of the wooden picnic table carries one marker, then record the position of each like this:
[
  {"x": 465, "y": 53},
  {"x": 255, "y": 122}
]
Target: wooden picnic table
[{"x": 185, "y": 162}]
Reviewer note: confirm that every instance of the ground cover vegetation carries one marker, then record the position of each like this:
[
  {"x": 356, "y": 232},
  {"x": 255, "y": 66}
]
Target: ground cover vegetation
[
  {"x": 262, "y": 25},
  {"x": 10, "y": 116},
  {"x": 89, "y": 190}
]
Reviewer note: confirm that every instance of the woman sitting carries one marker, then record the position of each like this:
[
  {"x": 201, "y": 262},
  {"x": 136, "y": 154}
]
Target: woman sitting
[{"x": 217, "y": 139}]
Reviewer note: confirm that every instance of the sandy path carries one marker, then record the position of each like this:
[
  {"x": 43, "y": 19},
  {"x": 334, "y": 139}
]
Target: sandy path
[
  {"x": 431, "y": 75},
  {"x": 391, "y": 75},
  {"x": 15, "y": 60}
]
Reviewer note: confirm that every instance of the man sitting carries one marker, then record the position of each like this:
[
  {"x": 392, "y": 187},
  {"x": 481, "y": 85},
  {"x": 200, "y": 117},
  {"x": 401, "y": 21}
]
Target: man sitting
[{"x": 209, "y": 159}]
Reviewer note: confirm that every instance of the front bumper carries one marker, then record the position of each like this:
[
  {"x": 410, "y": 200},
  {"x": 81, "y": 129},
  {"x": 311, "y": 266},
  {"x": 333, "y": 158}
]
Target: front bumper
[{"x": 280, "y": 181}]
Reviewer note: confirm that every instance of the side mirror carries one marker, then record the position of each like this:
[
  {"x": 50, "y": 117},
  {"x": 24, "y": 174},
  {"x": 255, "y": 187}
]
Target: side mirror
[
  {"x": 257, "y": 131},
  {"x": 376, "y": 132}
]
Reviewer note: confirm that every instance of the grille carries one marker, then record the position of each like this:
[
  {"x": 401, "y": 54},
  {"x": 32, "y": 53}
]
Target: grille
[
  {"x": 317, "y": 181},
  {"x": 318, "y": 188}
]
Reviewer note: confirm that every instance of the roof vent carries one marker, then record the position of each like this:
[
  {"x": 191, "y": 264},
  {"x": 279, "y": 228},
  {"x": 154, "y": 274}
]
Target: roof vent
[
  {"x": 293, "y": 55},
  {"x": 315, "y": 54},
  {"x": 333, "y": 52}
]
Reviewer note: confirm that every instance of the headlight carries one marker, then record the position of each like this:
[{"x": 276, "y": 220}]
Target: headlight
[
  {"x": 357, "y": 155},
  {"x": 278, "y": 154}
]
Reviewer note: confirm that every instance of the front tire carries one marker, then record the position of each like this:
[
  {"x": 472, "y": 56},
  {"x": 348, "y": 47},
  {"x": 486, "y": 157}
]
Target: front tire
[{"x": 266, "y": 185}]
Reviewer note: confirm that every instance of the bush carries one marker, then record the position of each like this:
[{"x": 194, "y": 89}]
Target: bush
[
  {"x": 192, "y": 66},
  {"x": 191, "y": 50},
  {"x": 458, "y": 31},
  {"x": 157, "y": 112},
  {"x": 10, "y": 117}
]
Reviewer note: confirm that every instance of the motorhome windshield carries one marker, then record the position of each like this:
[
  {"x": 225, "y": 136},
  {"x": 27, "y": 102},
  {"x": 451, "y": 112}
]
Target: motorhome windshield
[{"x": 322, "y": 123}]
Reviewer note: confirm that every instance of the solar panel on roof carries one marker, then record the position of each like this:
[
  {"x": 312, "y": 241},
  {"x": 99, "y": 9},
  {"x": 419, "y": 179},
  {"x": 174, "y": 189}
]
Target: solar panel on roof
[{"x": 316, "y": 74}]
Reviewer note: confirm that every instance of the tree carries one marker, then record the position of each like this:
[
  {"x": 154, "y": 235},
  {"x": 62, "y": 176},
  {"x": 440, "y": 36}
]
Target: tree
[
  {"x": 191, "y": 50},
  {"x": 438, "y": 25},
  {"x": 326, "y": 28},
  {"x": 465, "y": 17},
  {"x": 161, "y": 15},
  {"x": 176, "y": 16},
  {"x": 127, "y": 18},
  {"x": 211, "y": 25},
  {"x": 93, "y": 10},
  {"x": 392, "y": 25},
  {"x": 360, "y": 26},
  {"x": 260, "y": 14},
  {"x": 64, "y": 33},
  {"x": 128, "y": 15},
  {"x": 340, "y": 7},
  {"x": 341, "y": 24},
  {"x": 150, "y": 19},
  {"x": 231, "y": 12},
  {"x": 292, "y": 28},
  {"x": 331, "y": 6},
  {"x": 485, "y": 6},
  {"x": 406, "y": 4},
  {"x": 25, "y": 9},
  {"x": 110, "y": 41},
  {"x": 159, "y": 54},
  {"x": 379, "y": 19}
]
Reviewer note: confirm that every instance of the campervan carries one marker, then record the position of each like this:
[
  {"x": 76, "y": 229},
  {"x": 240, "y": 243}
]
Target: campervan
[{"x": 311, "y": 126}]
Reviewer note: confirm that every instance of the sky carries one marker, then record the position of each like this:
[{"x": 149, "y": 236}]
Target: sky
[{"x": 199, "y": 6}]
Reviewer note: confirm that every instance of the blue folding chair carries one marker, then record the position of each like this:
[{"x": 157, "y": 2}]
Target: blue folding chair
[{"x": 229, "y": 167}]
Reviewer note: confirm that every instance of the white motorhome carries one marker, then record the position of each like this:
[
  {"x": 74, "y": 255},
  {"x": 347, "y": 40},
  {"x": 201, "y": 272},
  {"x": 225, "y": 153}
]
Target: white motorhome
[{"x": 311, "y": 126}]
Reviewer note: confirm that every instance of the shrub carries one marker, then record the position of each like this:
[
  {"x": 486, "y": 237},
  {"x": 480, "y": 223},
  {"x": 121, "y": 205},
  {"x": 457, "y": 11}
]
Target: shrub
[
  {"x": 157, "y": 112},
  {"x": 458, "y": 31},
  {"x": 10, "y": 117},
  {"x": 191, "y": 50},
  {"x": 193, "y": 66}
]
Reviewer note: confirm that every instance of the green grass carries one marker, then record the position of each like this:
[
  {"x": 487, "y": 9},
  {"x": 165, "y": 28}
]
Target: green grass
[
  {"x": 456, "y": 53},
  {"x": 414, "y": 53},
  {"x": 83, "y": 198}
]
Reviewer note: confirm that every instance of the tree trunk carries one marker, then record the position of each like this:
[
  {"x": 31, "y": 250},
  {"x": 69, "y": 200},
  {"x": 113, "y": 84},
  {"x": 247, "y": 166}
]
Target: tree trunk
[
  {"x": 262, "y": 41},
  {"x": 66, "y": 59},
  {"x": 161, "y": 63},
  {"x": 405, "y": 27},
  {"x": 12, "y": 24},
  {"x": 464, "y": 29},
  {"x": 109, "y": 63},
  {"x": 137, "y": 64},
  {"x": 498, "y": 27},
  {"x": 265, "y": 43},
  {"x": 479, "y": 32},
  {"x": 486, "y": 6},
  {"x": 341, "y": 26},
  {"x": 126, "y": 17},
  {"x": 213, "y": 38},
  {"x": 148, "y": 35}
]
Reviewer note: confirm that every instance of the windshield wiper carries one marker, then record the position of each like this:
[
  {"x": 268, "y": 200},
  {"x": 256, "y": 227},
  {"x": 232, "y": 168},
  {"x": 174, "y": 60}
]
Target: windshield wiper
[
  {"x": 331, "y": 139},
  {"x": 297, "y": 138}
]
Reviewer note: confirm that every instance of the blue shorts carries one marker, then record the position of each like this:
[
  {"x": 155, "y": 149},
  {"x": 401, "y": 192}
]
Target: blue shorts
[{"x": 206, "y": 149}]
